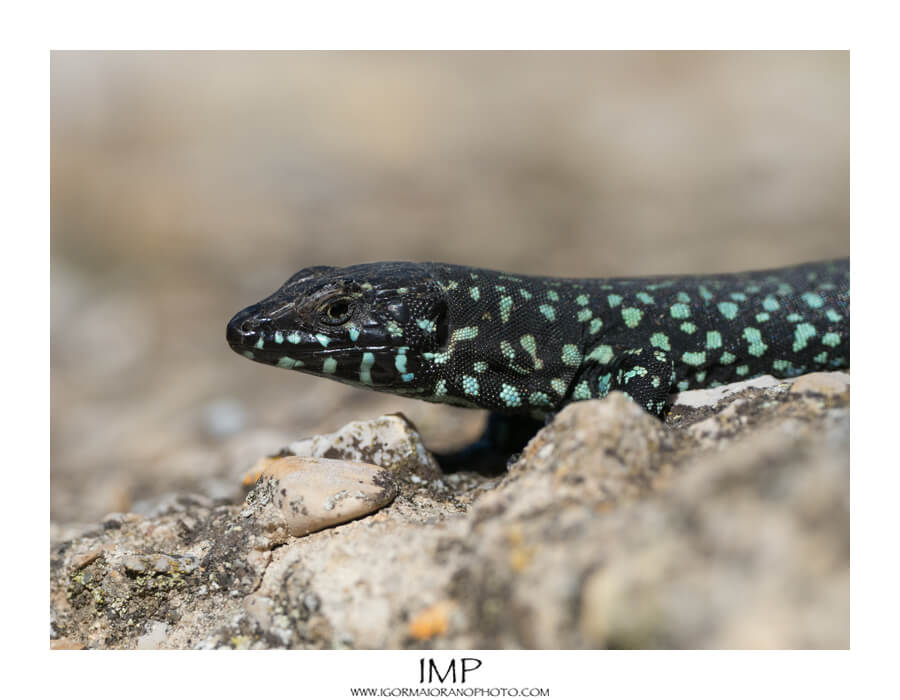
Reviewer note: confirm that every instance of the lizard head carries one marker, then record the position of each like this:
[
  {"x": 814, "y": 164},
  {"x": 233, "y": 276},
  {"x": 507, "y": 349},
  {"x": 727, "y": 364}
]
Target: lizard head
[{"x": 367, "y": 325}]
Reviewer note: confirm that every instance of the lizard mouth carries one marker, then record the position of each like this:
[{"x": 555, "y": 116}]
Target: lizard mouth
[
  {"x": 251, "y": 333},
  {"x": 373, "y": 365},
  {"x": 245, "y": 336},
  {"x": 272, "y": 353}
]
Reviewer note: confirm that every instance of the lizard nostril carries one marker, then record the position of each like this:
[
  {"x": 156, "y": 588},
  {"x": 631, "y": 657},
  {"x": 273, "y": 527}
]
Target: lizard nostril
[{"x": 241, "y": 328}]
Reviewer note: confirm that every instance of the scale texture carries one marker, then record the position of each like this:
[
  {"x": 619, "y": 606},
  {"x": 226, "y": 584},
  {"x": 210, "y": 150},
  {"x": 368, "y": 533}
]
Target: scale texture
[{"x": 527, "y": 346}]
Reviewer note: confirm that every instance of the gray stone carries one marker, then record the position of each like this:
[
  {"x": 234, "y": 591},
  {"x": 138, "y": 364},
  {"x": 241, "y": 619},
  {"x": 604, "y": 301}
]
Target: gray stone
[{"x": 389, "y": 441}]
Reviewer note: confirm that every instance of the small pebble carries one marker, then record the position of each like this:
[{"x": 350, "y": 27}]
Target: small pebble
[
  {"x": 134, "y": 564},
  {"x": 83, "y": 560},
  {"x": 313, "y": 493}
]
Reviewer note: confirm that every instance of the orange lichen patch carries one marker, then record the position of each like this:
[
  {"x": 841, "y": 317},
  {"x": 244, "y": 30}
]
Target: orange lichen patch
[
  {"x": 520, "y": 558},
  {"x": 520, "y": 554},
  {"x": 256, "y": 471},
  {"x": 431, "y": 622}
]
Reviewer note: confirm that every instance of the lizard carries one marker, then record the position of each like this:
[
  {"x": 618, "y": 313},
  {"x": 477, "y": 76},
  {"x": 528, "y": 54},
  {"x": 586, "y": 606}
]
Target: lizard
[{"x": 524, "y": 346}]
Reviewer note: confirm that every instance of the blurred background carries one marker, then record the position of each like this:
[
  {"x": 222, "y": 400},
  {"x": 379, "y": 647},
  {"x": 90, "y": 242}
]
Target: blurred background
[{"x": 185, "y": 186}]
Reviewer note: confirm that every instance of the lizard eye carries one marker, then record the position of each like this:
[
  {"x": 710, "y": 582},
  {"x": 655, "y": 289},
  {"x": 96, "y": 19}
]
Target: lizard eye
[
  {"x": 336, "y": 311},
  {"x": 442, "y": 324}
]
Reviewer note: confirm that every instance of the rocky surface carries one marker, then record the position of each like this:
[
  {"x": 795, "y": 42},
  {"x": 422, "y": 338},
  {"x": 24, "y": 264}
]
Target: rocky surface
[{"x": 725, "y": 526}]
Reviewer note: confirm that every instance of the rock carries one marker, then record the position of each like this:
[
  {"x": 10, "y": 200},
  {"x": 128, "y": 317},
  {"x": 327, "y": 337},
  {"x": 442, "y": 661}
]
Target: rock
[
  {"x": 727, "y": 526},
  {"x": 832, "y": 384},
  {"x": 172, "y": 502},
  {"x": 742, "y": 551},
  {"x": 595, "y": 451},
  {"x": 154, "y": 637},
  {"x": 818, "y": 382},
  {"x": 710, "y": 397},
  {"x": 390, "y": 441},
  {"x": 311, "y": 494}
]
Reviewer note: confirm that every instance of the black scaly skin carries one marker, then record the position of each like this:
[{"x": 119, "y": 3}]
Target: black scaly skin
[{"x": 527, "y": 346}]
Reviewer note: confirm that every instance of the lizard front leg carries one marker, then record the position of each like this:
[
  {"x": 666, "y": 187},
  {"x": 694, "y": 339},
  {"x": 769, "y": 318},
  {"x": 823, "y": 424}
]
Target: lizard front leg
[
  {"x": 645, "y": 374},
  {"x": 503, "y": 437}
]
